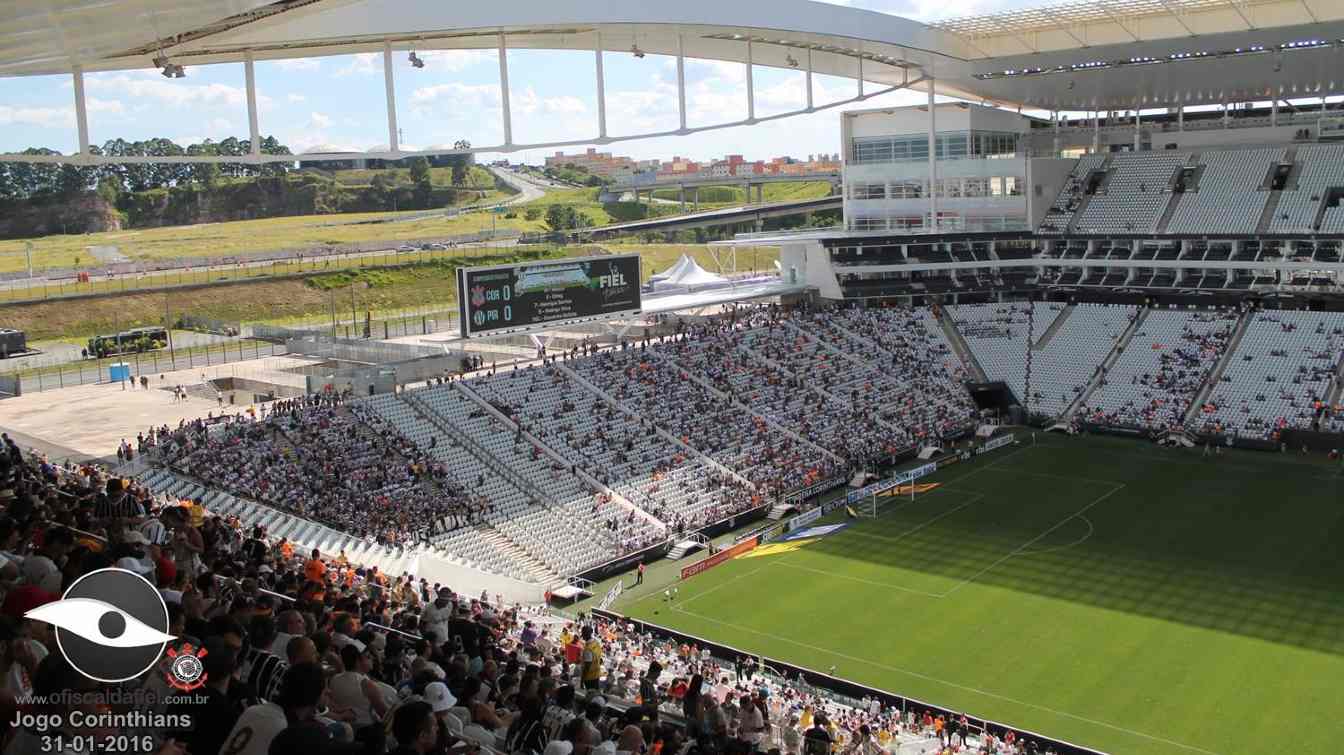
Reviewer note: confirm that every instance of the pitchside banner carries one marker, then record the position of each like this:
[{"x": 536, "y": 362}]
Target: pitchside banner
[
  {"x": 506, "y": 298},
  {"x": 718, "y": 558}
]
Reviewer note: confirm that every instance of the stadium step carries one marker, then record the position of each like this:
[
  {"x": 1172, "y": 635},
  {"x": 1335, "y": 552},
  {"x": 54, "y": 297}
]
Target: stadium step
[
  {"x": 661, "y": 432},
  {"x": 1272, "y": 204},
  {"x": 534, "y": 568},
  {"x": 960, "y": 346},
  {"x": 766, "y": 420},
  {"x": 1121, "y": 346},
  {"x": 1174, "y": 199},
  {"x": 1202, "y": 395},
  {"x": 1338, "y": 392},
  {"x": 579, "y": 471},
  {"x": 1050, "y": 332}
]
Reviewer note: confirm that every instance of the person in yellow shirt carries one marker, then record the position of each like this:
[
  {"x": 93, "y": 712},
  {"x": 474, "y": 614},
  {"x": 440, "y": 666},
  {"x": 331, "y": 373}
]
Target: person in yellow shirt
[
  {"x": 805, "y": 720},
  {"x": 591, "y": 659}
]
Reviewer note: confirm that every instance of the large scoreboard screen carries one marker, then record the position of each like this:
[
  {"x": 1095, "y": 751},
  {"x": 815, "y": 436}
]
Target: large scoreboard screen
[{"x": 504, "y": 298}]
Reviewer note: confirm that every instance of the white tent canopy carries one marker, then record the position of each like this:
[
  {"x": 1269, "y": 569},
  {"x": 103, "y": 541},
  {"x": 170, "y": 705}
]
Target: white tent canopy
[
  {"x": 687, "y": 273},
  {"x": 673, "y": 270}
]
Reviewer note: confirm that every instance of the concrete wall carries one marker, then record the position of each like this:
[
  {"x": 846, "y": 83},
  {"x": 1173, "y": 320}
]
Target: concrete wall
[
  {"x": 463, "y": 578},
  {"x": 1047, "y": 178}
]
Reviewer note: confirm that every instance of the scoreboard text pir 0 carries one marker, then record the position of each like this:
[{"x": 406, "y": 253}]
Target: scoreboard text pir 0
[{"x": 504, "y": 298}]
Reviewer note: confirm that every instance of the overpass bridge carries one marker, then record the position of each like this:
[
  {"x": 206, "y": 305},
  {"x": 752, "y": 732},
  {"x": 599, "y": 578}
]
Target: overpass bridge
[
  {"x": 752, "y": 215},
  {"x": 612, "y": 192}
]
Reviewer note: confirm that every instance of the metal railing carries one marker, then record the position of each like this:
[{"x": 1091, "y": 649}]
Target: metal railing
[{"x": 153, "y": 365}]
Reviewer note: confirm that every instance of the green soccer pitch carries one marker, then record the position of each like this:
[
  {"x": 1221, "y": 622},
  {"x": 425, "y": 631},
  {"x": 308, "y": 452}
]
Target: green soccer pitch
[{"x": 1109, "y": 592}]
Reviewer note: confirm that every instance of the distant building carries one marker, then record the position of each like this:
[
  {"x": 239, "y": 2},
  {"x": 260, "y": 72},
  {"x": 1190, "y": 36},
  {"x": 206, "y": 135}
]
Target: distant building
[{"x": 602, "y": 164}]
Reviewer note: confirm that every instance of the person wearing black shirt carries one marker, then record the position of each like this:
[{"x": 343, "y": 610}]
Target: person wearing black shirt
[
  {"x": 254, "y": 549},
  {"x": 816, "y": 740}
]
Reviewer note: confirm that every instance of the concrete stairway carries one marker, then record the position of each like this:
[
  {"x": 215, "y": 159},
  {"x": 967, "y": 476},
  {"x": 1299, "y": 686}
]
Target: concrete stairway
[
  {"x": 770, "y": 422},
  {"x": 1205, "y": 390},
  {"x": 1050, "y": 332},
  {"x": 1095, "y": 383},
  {"x": 1272, "y": 204},
  {"x": 662, "y": 433},
  {"x": 538, "y": 571},
  {"x": 959, "y": 345}
]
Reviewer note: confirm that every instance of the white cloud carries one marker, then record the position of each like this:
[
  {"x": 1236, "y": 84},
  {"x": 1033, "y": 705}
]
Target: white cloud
[
  {"x": 319, "y": 120},
  {"x": 143, "y": 86},
  {"x": 566, "y": 105},
  {"x": 221, "y": 125},
  {"x": 362, "y": 63},
  {"x": 46, "y": 117},
  {"x": 295, "y": 98},
  {"x": 56, "y": 117},
  {"x": 456, "y": 60},
  {"x": 459, "y": 98},
  {"x": 298, "y": 64}
]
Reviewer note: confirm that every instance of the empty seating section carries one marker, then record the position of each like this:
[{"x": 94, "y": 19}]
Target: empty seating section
[
  {"x": 1071, "y": 195},
  {"x": 1062, "y": 369},
  {"x": 1154, "y": 381},
  {"x": 997, "y": 336},
  {"x": 1321, "y": 167},
  {"x": 1285, "y": 362},
  {"x": 1134, "y": 195},
  {"x": 1229, "y": 198}
]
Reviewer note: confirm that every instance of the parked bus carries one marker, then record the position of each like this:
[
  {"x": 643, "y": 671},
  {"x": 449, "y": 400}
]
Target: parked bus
[{"x": 128, "y": 341}]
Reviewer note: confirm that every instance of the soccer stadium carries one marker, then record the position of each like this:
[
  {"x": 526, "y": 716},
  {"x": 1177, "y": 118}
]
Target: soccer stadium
[{"x": 1027, "y": 439}]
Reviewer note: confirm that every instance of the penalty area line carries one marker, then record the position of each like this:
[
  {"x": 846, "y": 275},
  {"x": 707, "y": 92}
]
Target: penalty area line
[{"x": 1019, "y": 549}]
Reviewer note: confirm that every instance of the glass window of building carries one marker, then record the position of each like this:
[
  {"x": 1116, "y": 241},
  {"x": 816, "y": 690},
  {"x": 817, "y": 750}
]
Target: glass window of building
[{"x": 868, "y": 191}]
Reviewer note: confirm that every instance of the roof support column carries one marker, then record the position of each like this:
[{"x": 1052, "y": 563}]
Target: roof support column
[
  {"x": 1055, "y": 148},
  {"x": 1274, "y": 111},
  {"x": 1096, "y": 131},
  {"x": 601, "y": 91},
  {"x": 504, "y": 91},
  {"x": 1227, "y": 120},
  {"x": 1180, "y": 118},
  {"x": 681, "y": 81},
  {"x": 81, "y": 110},
  {"x": 809, "y": 79},
  {"x": 933, "y": 162},
  {"x": 751, "y": 88},
  {"x": 1138, "y": 134},
  {"x": 390, "y": 88},
  {"x": 250, "y": 81},
  {"x": 860, "y": 74}
]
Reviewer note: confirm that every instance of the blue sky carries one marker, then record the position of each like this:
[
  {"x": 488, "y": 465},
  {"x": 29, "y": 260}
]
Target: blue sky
[{"x": 338, "y": 101}]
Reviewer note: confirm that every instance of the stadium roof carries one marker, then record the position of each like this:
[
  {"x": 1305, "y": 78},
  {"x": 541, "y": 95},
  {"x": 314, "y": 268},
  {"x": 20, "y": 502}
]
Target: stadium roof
[
  {"x": 1090, "y": 23},
  {"x": 1097, "y": 54}
]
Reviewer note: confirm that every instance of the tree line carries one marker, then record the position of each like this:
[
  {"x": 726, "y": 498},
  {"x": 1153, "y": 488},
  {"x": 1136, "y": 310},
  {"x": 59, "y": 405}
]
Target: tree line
[{"x": 37, "y": 180}]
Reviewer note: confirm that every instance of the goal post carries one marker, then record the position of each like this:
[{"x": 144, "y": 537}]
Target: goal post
[{"x": 867, "y": 507}]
